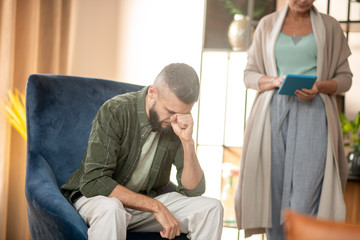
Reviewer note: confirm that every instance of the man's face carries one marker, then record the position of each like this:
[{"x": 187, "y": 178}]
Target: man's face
[
  {"x": 163, "y": 127},
  {"x": 162, "y": 108}
]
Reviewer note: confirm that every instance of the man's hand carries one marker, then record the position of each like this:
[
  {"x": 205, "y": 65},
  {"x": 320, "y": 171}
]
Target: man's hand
[
  {"x": 182, "y": 124},
  {"x": 130, "y": 199},
  {"x": 170, "y": 224}
]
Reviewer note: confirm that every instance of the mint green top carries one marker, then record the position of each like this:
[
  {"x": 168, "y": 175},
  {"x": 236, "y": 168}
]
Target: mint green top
[{"x": 296, "y": 54}]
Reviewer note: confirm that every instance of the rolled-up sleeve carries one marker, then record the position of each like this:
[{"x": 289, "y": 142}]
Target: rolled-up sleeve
[{"x": 102, "y": 152}]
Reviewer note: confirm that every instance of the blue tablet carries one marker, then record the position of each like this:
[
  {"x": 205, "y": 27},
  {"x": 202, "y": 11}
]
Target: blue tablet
[{"x": 293, "y": 82}]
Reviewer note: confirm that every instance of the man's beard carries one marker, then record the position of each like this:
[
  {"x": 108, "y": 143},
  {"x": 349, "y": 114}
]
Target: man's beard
[{"x": 156, "y": 124}]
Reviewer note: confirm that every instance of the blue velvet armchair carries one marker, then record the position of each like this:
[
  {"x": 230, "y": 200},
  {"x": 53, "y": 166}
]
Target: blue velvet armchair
[{"x": 59, "y": 112}]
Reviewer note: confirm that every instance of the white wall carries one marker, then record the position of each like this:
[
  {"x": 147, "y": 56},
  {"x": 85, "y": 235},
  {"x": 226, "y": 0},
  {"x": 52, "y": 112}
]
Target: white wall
[
  {"x": 132, "y": 40},
  {"x": 155, "y": 33},
  {"x": 352, "y": 98}
]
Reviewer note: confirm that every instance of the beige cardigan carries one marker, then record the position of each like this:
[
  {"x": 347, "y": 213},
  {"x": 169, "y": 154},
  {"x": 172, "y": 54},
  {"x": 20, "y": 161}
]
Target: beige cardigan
[{"x": 253, "y": 194}]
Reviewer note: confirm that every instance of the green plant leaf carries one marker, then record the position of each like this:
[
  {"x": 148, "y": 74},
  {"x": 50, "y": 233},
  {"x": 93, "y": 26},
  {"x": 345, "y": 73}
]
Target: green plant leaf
[
  {"x": 351, "y": 132},
  {"x": 343, "y": 122},
  {"x": 259, "y": 8},
  {"x": 342, "y": 116},
  {"x": 356, "y": 123},
  {"x": 231, "y": 8},
  {"x": 347, "y": 127}
]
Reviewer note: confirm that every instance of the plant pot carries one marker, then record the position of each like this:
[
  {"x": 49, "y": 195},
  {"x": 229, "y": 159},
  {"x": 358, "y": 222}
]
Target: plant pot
[{"x": 354, "y": 164}]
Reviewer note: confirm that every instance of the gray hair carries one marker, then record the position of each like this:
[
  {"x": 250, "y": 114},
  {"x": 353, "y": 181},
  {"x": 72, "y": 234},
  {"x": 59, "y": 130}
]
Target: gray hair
[{"x": 181, "y": 79}]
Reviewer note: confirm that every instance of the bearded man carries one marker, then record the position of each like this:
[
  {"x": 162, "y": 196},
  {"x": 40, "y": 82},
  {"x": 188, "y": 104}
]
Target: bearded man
[{"x": 134, "y": 141}]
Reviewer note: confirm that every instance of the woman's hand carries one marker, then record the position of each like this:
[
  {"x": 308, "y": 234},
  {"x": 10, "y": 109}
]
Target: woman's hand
[
  {"x": 308, "y": 94},
  {"x": 277, "y": 82},
  {"x": 269, "y": 83}
]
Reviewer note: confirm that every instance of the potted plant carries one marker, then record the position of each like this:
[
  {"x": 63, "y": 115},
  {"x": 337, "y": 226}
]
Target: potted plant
[{"x": 351, "y": 135}]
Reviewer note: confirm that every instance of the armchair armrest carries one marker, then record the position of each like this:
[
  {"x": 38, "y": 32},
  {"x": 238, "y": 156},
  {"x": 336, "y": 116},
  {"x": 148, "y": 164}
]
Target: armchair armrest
[{"x": 49, "y": 213}]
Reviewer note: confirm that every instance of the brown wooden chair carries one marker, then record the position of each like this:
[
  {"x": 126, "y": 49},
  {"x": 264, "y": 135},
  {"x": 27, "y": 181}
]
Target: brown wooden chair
[{"x": 301, "y": 227}]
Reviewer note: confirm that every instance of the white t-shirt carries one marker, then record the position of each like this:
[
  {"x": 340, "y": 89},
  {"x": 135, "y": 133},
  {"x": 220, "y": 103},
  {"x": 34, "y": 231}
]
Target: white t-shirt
[{"x": 140, "y": 176}]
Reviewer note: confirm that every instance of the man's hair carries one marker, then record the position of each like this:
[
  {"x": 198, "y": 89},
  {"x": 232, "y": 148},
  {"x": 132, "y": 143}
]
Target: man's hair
[{"x": 181, "y": 79}]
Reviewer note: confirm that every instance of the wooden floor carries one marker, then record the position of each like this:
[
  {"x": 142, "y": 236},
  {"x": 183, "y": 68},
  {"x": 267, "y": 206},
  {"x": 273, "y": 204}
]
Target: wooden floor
[{"x": 352, "y": 201}]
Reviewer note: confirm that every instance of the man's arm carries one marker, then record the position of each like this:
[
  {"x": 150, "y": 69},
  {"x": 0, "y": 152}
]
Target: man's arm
[
  {"x": 130, "y": 199},
  {"x": 192, "y": 173}
]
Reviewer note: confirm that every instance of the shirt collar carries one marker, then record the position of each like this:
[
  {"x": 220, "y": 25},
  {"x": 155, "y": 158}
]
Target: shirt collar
[{"x": 141, "y": 108}]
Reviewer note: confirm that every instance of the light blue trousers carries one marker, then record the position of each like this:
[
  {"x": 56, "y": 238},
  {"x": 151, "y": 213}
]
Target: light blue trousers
[{"x": 298, "y": 155}]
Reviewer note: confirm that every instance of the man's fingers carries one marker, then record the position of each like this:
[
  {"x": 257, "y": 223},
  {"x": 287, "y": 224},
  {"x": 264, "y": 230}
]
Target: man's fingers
[
  {"x": 184, "y": 120},
  {"x": 170, "y": 230},
  {"x": 171, "y": 226}
]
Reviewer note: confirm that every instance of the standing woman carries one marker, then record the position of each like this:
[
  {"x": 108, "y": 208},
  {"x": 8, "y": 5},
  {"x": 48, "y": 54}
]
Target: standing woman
[{"x": 293, "y": 154}]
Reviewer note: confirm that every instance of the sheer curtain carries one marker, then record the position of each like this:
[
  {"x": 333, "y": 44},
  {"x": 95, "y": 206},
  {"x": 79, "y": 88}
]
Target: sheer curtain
[{"x": 34, "y": 36}]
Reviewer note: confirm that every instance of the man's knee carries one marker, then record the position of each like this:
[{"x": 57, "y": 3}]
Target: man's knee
[
  {"x": 212, "y": 205},
  {"x": 215, "y": 204},
  {"x": 109, "y": 219},
  {"x": 110, "y": 206}
]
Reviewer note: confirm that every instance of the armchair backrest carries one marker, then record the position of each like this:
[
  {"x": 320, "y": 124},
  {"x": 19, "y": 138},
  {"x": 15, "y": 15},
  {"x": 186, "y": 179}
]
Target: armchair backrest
[{"x": 59, "y": 111}]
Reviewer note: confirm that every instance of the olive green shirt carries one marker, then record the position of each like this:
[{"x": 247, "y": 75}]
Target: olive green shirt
[{"x": 118, "y": 133}]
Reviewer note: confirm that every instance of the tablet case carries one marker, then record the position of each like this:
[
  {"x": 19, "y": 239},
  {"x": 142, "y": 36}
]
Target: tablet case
[{"x": 293, "y": 82}]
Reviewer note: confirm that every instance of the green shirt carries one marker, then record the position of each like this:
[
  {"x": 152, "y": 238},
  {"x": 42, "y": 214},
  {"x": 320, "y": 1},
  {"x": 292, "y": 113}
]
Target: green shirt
[{"x": 118, "y": 133}]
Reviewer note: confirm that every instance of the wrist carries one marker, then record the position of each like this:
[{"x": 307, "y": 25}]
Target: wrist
[
  {"x": 155, "y": 206},
  {"x": 274, "y": 82},
  {"x": 188, "y": 144},
  {"x": 317, "y": 86}
]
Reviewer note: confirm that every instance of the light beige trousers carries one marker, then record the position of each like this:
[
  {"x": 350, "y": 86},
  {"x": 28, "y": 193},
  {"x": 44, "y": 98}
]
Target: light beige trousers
[{"x": 200, "y": 217}]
